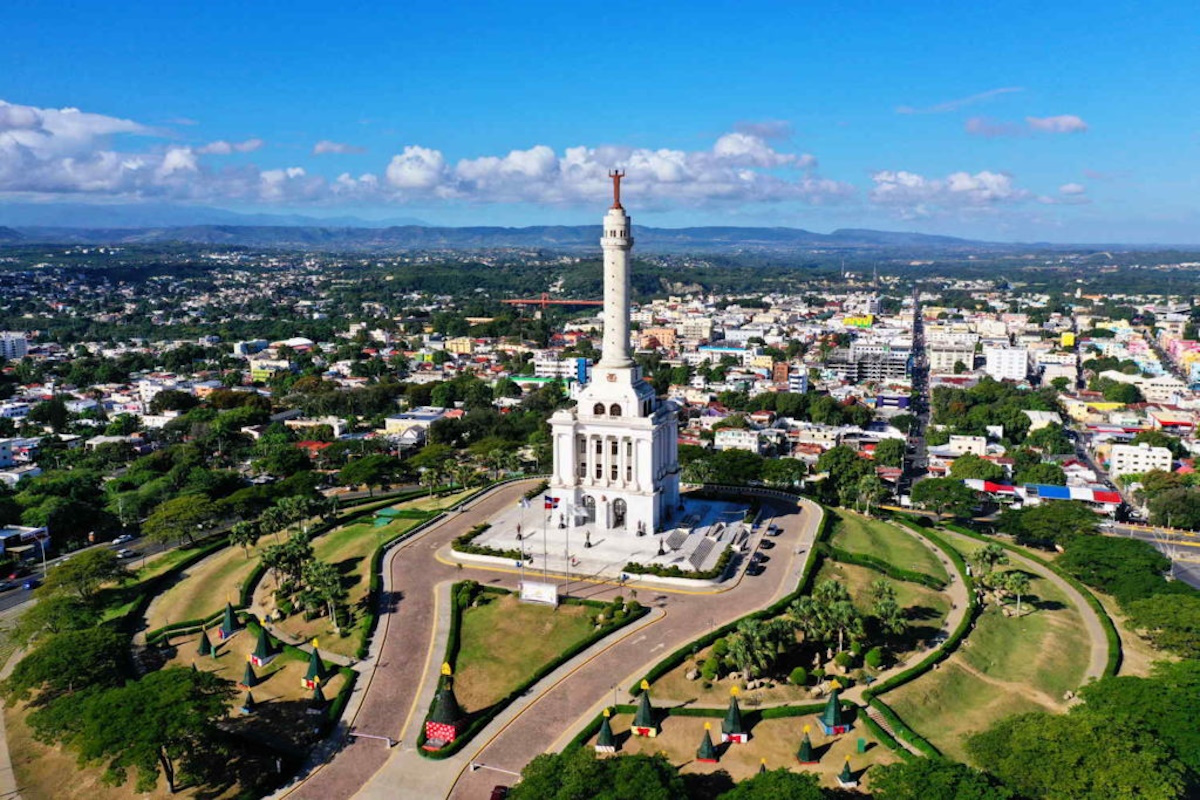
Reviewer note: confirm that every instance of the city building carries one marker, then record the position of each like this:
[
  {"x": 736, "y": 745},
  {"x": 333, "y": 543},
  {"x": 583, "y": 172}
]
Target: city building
[
  {"x": 1006, "y": 363},
  {"x": 616, "y": 453},
  {"x": 13, "y": 345},
  {"x": 1134, "y": 459}
]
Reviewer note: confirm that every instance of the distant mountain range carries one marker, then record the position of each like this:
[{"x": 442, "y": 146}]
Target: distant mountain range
[{"x": 568, "y": 238}]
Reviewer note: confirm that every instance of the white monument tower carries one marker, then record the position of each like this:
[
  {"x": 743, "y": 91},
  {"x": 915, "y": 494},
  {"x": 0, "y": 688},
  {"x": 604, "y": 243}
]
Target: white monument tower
[{"x": 616, "y": 454}]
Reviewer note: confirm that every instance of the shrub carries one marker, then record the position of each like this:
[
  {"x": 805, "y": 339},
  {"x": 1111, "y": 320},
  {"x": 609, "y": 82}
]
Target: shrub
[
  {"x": 819, "y": 673},
  {"x": 710, "y": 670},
  {"x": 843, "y": 659},
  {"x": 720, "y": 648},
  {"x": 799, "y": 676},
  {"x": 874, "y": 657}
]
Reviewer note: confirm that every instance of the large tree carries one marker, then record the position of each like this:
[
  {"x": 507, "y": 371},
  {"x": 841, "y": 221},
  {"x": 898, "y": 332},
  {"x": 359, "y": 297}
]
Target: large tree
[
  {"x": 935, "y": 779},
  {"x": 181, "y": 518},
  {"x": 890, "y": 452},
  {"x": 83, "y": 574},
  {"x": 70, "y": 661},
  {"x": 1080, "y": 755},
  {"x": 944, "y": 496},
  {"x": 776, "y": 784},
  {"x": 163, "y": 724},
  {"x": 577, "y": 774},
  {"x": 1170, "y": 623},
  {"x": 1051, "y": 523},
  {"x": 970, "y": 465}
]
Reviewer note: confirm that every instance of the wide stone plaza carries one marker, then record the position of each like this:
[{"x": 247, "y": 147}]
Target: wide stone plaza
[{"x": 563, "y": 541}]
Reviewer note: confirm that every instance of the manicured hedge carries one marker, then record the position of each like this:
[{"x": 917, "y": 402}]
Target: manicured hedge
[
  {"x": 879, "y": 565},
  {"x": 334, "y": 712},
  {"x": 672, "y": 571},
  {"x": 481, "y": 720},
  {"x": 1113, "y": 663},
  {"x": 149, "y": 589},
  {"x": 884, "y": 737},
  {"x": 903, "y": 731},
  {"x": 190, "y": 625},
  {"x": 811, "y": 566}
]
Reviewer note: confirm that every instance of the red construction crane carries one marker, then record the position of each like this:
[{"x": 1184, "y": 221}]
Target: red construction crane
[{"x": 545, "y": 302}]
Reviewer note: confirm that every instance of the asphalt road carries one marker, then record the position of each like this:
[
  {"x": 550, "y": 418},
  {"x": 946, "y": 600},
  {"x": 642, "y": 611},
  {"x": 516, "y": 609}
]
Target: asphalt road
[{"x": 1182, "y": 549}]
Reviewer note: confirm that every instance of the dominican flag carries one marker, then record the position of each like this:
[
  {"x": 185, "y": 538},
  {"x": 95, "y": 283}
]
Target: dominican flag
[{"x": 551, "y": 502}]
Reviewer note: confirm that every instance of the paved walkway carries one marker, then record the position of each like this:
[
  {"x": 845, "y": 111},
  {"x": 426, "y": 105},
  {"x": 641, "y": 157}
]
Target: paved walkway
[
  {"x": 1091, "y": 621},
  {"x": 559, "y": 710},
  {"x": 959, "y": 603},
  {"x": 397, "y": 686}
]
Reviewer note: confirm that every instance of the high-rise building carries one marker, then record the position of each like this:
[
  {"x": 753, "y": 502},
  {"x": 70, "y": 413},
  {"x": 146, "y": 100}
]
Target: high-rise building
[
  {"x": 13, "y": 345},
  {"x": 616, "y": 453}
]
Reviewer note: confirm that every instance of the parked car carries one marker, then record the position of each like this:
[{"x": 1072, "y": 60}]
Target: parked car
[{"x": 125, "y": 553}]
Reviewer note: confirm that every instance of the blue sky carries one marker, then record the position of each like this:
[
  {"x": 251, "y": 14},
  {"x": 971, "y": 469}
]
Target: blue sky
[{"x": 1031, "y": 121}]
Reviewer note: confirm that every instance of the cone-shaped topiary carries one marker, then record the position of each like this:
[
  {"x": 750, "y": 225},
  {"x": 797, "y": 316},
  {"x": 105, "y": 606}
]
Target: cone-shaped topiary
[
  {"x": 606, "y": 742},
  {"x": 206, "y": 648},
  {"x": 706, "y": 752},
  {"x": 229, "y": 623}
]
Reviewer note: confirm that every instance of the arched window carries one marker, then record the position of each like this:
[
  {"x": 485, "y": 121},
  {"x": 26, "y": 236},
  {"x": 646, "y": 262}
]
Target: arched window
[
  {"x": 619, "y": 513},
  {"x": 615, "y": 410},
  {"x": 589, "y": 507},
  {"x": 598, "y": 409}
]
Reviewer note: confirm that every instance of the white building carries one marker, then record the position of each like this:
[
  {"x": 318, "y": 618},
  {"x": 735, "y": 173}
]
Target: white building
[
  {"x": 961, "y": 445},
  {"x": 616, "y": 453},
  {"x": 13, "y": 346},
  {"x": 736, "y": 439},
  {"x": 942, "y": 358},
  {"x": 1006, "y": 363},
  {"x": 1134, "y": 459}
]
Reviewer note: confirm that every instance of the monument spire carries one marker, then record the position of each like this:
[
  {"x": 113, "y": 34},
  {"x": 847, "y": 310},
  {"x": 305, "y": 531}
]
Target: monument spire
[
  {"x": 616, "y": 243},
  {"x": 616, "y": 175}
]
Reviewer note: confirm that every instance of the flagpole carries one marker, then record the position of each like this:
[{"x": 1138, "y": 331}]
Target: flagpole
[
  {"x": 545, "y": 548},
  {"x": 570, "y": 523}
]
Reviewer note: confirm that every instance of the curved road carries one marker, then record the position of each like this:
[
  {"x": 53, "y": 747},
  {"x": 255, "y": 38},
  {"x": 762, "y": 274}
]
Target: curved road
[
  {"x": 405, "y": 661},
  {"x": 1091, "y": 621}
]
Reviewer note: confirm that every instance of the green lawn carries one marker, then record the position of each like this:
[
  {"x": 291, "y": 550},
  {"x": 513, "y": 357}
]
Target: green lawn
[
  {"x": 880, "y": 539},
  {"x": 505, "y": 641},
  {"x": 948, "y": 705},
  {"x": 1006, "y": 666},
  {"x": 349, "y": 549}
]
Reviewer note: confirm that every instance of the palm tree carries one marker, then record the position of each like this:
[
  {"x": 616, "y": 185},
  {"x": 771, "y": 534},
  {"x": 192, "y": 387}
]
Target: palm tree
[
  {"x": 987, "y": 557},
  {"x": 870, "y": 491},
  {"x": 244, "y": 534},
  {"x": 1017, "y": 582}
]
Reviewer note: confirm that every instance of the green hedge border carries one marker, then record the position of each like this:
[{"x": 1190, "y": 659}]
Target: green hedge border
[
  {"x": 751, "y": 716},
  {"x": 807, "y": 574},
  {"x": 483, "y": 719},
  {"x": 955, "y": 638},
  {"x": 370, "y": 620},
  {"x": 1115, "y": 654},
  {"x": 885, "y": 738},
  {"x": 879, "y": 565},
  {"x": 902, "y": 730},
  {"x": 191, "y": 625}
]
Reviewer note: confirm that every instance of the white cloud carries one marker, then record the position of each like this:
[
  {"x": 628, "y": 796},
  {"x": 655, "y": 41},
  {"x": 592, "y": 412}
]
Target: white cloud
[
  {"x": 912, "y": 195},
  {"x": 224, "y": 148},
  {"x": 326, "y": 146},
  {"x": 417, "y": 168},
  {"x": 954, "y": 105},
  {"x": 1072, "y": 188},
  {"x": 1064, "y": 123}
]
